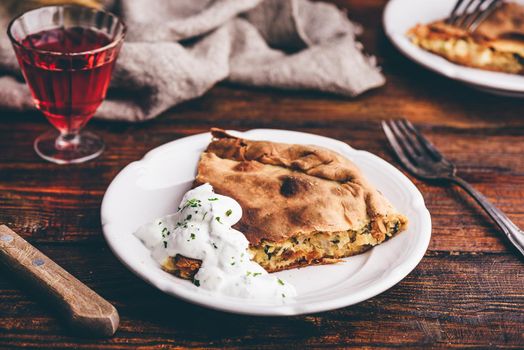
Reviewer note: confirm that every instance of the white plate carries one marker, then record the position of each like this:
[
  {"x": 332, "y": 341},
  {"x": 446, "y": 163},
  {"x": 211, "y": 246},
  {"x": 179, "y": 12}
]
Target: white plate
[
  {"x": 401, "y": 15},
  {"x": 153, "y": 187}
]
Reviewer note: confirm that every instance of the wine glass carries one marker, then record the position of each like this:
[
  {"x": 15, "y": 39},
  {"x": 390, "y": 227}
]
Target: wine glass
[{"x": 67, "y": 54}]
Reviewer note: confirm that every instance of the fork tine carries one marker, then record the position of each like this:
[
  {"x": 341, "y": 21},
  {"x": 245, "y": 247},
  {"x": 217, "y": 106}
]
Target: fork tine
[
  {"x": 470, "y": 18},
  {"x": 414, "y": 141},
  {"x": 404, "y": 140},
  {"x": 483, "y": 15},
  {"x": 453, "y": 15},
  {"x": 411, "y": 139},
  {"x": 397, "y": 148},
  {"x": 425, "y": 142},
  {"x": 465, "y": 13}
]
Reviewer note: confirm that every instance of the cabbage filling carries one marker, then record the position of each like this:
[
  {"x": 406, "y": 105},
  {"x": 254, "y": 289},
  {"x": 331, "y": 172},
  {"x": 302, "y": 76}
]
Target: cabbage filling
[{"x": 319, "y": 247}]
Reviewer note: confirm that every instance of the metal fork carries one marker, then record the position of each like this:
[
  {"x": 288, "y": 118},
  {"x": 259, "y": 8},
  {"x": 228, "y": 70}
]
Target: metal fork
[
  {"x": 468, "y": 14},
  {"x": 423, "y": 160}
]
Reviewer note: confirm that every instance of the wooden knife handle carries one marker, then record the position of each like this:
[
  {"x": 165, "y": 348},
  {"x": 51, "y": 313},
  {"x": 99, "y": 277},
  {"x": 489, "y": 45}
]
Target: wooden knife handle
[{"x": 84, "y": 310}]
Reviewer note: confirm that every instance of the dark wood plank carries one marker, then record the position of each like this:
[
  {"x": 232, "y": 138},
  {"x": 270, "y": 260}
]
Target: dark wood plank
[{"x": 484, "y": 303}]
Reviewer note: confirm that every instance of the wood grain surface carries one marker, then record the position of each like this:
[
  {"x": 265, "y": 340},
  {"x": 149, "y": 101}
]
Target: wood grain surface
[
  {"x": 468, "y": 291},
  {"x": 85, "y": 312}
]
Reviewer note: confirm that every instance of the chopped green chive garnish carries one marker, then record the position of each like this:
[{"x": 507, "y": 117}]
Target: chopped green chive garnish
[
  {"x": 212, "y": 199},
  {"x": 193, "y": 203},
  {"x": 229, "y": 212},
  {"x": 165, "y": 244},
  {"x": 192, "y": 236},
  {"x": 204, "y": 215},
  {"x": 189, "y": 217},
  {"x": 215, "y": 246},
  {"x": 280, "y": 281},
  {"x": 233, "y": 263},
  {"x": 196, "y": 283},
  {"x": 257, "y": 274},
  {"x": 283, "y": 295},
  {"x": 248, "y": 273},
  {"x": 218, "y": 219}
]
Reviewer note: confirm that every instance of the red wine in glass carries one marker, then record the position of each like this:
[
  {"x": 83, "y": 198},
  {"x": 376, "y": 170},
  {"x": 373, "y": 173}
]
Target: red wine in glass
[
  {"x": 68, "y": 70},
  {"x": 68, "y": 92}
]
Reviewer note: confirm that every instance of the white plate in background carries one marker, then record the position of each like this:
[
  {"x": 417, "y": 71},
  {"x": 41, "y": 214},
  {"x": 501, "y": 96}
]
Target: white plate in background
[
  {"x": 153, "y": 187},
  {"x": 402, "y": 15}
]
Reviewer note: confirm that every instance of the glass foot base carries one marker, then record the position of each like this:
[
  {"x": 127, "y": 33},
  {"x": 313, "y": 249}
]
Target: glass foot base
[{"x": 79, "y": 149}]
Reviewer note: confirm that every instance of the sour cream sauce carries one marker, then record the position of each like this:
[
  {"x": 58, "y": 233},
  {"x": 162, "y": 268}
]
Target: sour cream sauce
[{"x": 201, "y": 229}]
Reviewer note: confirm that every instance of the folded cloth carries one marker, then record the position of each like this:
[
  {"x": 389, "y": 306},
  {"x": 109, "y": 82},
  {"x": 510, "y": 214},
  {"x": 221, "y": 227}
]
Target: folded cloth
[{"x": 177, "y": 50}]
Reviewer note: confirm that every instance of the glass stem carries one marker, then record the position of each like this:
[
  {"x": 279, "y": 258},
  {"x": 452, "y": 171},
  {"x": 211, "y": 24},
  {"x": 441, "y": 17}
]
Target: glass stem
[{"x": 67, "y": 141}]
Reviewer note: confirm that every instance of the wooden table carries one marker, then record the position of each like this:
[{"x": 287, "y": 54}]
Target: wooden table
[{"x": 467, "y": 291}]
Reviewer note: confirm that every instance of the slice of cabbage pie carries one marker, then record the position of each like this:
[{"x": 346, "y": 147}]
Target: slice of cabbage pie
[
  {"x": 302, "y": 205},
  {"x": 496, "y": 45}
]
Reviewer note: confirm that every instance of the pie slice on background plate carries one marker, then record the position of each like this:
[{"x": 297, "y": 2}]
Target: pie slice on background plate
[
  {"x": 496, "y": 45},
  {"x": 302, "y": 205}
]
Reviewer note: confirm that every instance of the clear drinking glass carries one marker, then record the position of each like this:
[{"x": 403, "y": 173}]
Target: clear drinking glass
[{"x": 67, "y": 54}]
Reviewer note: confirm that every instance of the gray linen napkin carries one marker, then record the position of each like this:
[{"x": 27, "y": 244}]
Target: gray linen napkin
[{"x": 177, "y": 50}]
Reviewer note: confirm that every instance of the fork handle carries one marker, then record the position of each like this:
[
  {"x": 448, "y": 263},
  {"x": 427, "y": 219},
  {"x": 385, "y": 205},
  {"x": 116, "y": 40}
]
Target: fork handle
[{"x": 514, "y": 234}]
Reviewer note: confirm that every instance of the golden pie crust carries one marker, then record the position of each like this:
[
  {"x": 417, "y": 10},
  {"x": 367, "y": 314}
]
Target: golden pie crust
[{"x": 302, "y": 205}]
